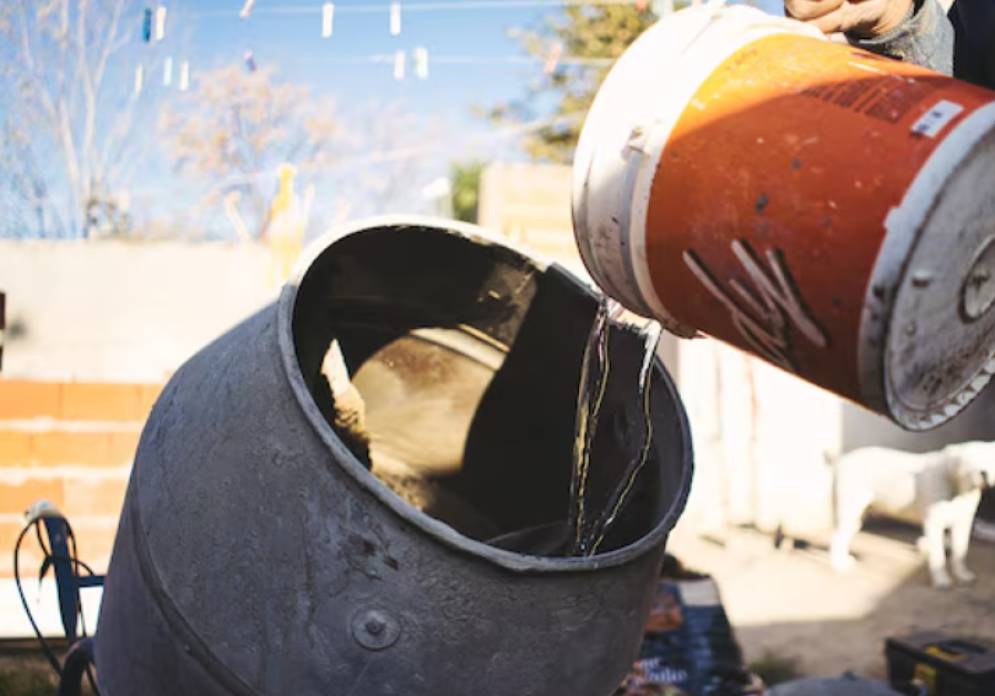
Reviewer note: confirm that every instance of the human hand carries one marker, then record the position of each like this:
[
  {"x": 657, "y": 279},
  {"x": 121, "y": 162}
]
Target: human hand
[{"x": 860, "y": 18}]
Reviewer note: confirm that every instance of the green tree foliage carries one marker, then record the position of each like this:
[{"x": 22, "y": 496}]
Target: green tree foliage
[
  {"x": 561, "y": 98},
  {"x": 465, "y": 178}
]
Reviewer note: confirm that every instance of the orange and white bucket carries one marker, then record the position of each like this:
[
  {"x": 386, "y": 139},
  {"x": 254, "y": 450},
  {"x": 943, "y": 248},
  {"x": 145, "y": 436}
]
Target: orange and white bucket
[{"x": 825, "y": 208}]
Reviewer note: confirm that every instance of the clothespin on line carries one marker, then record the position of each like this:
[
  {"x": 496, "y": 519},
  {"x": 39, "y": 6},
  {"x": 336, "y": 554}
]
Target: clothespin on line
[
  {"x": 160, "y": 23},
  {"x": 327, "y": 19},
  {"x": 421, "y": 63}
]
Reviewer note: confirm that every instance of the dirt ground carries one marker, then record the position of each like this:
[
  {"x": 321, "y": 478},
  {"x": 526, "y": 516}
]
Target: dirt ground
[
  {"x": 789, "y": 604},
  {"x": 24, "y": 672}
]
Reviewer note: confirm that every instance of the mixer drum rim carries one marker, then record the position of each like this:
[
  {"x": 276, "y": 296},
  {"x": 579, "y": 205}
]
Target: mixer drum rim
[{"x": 436, "y": 529}]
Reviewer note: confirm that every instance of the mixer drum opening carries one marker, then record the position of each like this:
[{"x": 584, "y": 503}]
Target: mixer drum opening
[{"x": 453, "y": 369}]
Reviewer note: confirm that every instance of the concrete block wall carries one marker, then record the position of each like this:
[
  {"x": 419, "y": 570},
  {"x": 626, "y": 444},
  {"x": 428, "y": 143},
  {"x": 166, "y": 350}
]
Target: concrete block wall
[
  {"x": 530, "y": 205},
  {"x": 93, "y": 330},
  {"x": 73, "y": 444}
]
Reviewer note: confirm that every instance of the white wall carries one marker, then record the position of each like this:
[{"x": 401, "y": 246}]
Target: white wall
[
  {"x": 119, "y": 311},
  {"x": 760, "y": 438}
]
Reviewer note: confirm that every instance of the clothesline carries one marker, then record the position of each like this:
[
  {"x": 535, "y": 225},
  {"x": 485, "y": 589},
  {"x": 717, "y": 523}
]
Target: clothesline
[{"x": 385, "y": 7}]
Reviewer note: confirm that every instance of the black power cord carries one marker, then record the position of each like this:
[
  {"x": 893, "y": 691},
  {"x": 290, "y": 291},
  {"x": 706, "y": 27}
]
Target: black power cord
[
  {"x": 52, "y": 660},
  {"x": 79, "y": 603},
  {"x": 76, "y": 565}
]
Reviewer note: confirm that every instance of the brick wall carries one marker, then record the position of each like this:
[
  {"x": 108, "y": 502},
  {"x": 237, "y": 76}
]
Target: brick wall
[{"x": 73, "y": 444}]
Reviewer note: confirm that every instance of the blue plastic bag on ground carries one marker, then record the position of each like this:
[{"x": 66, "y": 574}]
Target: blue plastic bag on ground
[{"x": 689, "y": 647}]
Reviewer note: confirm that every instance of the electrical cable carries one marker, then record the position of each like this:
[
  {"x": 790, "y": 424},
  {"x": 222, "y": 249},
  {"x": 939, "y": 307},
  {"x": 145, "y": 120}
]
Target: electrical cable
[
  {"x": 75, "y": 561},
  {"x": 76, "y": 564},
  {"x": 24, "y": 602},
  {"x": 74, "y": 553},
  {"x": 41, "y": 541}
]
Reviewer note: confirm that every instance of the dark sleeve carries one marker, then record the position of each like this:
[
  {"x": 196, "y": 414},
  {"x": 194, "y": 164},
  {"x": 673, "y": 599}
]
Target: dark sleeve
[
  {"x": 926, "y": 38},
  {"x": 974, "y": 28}
]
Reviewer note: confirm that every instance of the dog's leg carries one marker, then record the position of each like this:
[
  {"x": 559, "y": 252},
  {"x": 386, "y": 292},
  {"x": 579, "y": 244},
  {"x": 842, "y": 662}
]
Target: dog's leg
[
  {"x": 849, "y": 517},
  {"x": 965, "y": 507},
  {"x": 933, "y": 529},
  {"x": 839, "y": 549}
]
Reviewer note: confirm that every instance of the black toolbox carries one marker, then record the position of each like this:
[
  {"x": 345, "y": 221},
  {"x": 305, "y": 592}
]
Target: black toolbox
[{"x": 941, "y": 665}]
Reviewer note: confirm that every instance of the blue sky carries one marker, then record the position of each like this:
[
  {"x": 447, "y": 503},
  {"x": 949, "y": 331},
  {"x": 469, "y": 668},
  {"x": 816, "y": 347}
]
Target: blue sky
[
  {"x": 285, "y": 35},
  {"x": 293, "y": 44}
]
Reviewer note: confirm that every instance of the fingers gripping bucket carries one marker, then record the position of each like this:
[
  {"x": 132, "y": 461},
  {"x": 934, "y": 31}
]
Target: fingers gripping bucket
[
  {"x": 258, "y": 554},
  {"x": 822, "y": 207}
]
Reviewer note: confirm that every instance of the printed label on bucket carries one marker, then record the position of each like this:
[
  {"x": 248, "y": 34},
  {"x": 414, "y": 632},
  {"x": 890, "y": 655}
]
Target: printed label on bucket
[
  {"x": 937, "y": 118},
  {"x": 768, "y": 206}
]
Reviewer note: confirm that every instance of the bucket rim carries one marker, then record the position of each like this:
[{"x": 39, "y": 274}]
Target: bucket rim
[
  {"x": 624, "y": 135},
  {"x": 436, "y": 529}
]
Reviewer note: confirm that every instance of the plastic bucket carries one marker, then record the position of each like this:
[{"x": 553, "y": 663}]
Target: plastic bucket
[{"x": 825, "y": 208}]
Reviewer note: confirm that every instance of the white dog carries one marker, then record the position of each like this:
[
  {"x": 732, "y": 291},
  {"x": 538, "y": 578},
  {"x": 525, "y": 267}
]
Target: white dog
[{"x": 940, "y": 490}]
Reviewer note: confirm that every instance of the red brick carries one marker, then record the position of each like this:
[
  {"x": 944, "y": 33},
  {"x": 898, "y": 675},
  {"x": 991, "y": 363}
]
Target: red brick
[
  {"x": 16, "y": 498},
  {"x": 96, "y": 401},
  {"x": 8, "y": 537},
  {"x": 149, "y": 395},
  {"x": 93, "y": 497},
  {"x": 66, "y": 448},
  {"x": 27, "y": 399},
  {"x": 59, "y": 448},
  {"x": 122, "y": 447},
  {"x": 94, "y": 544},
  {"x": 30, "y": 558},
  {"x": 15, "y": 448}
]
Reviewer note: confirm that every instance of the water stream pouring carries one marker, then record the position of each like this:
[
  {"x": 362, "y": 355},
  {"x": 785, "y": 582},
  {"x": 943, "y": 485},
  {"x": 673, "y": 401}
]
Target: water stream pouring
[
  {"x": 265, "y": 547},
  {"x": 588, "y": 534}
]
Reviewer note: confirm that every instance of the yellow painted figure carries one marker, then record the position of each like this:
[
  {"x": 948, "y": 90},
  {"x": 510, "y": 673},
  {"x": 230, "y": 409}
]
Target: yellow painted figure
[{"x": 284, "y": 228}]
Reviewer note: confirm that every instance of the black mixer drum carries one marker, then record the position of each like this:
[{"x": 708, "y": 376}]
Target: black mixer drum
[{"x": 264, "y": 548}]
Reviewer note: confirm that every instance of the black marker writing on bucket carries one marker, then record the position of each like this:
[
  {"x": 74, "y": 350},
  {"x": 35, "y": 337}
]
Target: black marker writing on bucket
[{"x": 762, "y": 313}]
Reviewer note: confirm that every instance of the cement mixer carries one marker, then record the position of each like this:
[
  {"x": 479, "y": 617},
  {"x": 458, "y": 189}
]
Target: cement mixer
[{"x": 263, "y": 550}]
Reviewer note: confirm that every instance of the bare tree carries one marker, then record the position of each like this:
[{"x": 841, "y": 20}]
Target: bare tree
[
  {"x": 389, "y": 148},
  {"x": 236, "y": 128},
  {"x": 71, "y": 112}
]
